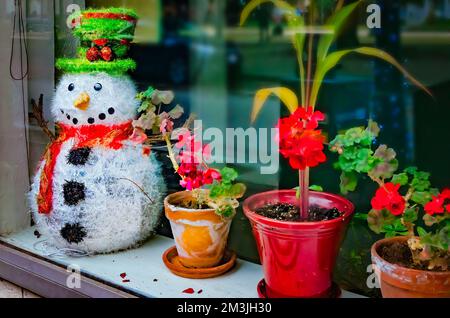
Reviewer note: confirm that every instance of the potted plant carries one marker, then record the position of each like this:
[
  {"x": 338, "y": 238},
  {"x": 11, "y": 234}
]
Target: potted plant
[
  {"x": 410, "y": 261},
  {"x": 298, "y": 233},
  {"x": 155, "y": 110},
  {"x": 200, "y": 217}
]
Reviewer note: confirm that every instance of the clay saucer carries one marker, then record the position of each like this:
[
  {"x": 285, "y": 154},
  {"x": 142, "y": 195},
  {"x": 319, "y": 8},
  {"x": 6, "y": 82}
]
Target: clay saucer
[
  {"x": 172, "y": 262},
  {"x": 333, "y": 292}
]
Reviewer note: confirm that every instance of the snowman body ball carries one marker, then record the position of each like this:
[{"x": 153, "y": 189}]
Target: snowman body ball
[{"x": 95, "y": 189}]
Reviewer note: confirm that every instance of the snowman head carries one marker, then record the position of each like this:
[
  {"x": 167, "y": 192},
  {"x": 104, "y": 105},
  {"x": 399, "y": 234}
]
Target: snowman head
[{"x": 89, "y": 99}]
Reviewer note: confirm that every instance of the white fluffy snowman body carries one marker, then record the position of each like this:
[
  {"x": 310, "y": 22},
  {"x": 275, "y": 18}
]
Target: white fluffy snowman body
[{"x": 103, "y": 199}]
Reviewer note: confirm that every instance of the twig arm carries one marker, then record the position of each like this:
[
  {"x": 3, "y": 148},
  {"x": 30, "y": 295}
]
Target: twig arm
[{"x": 38, "y": 114}]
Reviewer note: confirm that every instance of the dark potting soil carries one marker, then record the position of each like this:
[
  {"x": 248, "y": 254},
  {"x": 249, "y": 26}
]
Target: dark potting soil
[
  {"x": 290, "y": 213},
  {"x": 399, "y": 253},
  {"x": 191, "y": 204}
]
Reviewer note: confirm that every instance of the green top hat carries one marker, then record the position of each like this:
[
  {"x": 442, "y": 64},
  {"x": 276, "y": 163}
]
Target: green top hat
[{"x": 105, "y": 36}]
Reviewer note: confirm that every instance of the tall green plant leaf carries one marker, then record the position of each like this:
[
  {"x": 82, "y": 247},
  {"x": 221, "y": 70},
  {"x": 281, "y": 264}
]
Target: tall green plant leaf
[
  {"x": 335, "y": 23},
  {"x": 299, "y": 43},
  {"x": 333, "y": 59},
  {"x": 255, "y": 3},
  {"x": 295, "y": 21},
  {"x": 287, "y": 96}
]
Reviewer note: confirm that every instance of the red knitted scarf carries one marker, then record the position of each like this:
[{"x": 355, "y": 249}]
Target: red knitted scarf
[{"x": 85, "y": 136}]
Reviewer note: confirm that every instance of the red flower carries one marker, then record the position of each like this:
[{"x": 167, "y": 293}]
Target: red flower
[
  {"x": 436, "y": 205},
  {"x": 445, "y": 194},
  {"x": 193, "y": 177},
  {"x": 388, "y": 198},
  {"x": 310, "y": 116},
  {"x": 210, "y": 175},
  {"x": 298, "y": 139},
  {"x": 193, "y": 169}
]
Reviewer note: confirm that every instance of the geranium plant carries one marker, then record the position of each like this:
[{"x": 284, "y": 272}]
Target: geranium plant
[
  {"x": 188, "y": 154},
  {"x": 402, "y": 198},
  {"x": 300, "y": 140},
  {"x": 155, "y": 119},
  {"x": 188, "y": 157}
]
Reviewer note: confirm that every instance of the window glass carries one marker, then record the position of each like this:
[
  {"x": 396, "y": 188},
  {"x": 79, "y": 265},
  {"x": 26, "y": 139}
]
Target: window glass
[{"x": 197, "y": 49}]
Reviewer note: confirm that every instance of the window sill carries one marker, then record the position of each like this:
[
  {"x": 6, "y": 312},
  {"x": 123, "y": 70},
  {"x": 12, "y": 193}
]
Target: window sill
[{"x": 146, "y": 271}]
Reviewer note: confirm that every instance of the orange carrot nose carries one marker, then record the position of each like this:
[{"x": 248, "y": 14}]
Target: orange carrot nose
[{"x": 82, "y": 101}]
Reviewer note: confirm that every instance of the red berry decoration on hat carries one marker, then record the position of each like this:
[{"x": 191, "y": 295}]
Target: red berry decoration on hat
[
  {"x": 93, "y": 54},
  {"x": 106, "y": 53}
]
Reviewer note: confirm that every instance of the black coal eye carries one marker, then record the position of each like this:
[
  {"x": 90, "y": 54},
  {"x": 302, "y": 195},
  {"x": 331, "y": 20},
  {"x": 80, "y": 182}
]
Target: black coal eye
[
  {"x": 98, "y": 86},
  {"x": 71, "y": 87}
]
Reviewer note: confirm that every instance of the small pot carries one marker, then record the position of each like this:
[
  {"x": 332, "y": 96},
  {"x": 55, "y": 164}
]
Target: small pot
[
  {"x": 200, "y": 234},
  {"x": 401, "y": 282},
  {"x": 297, "y": 257}
]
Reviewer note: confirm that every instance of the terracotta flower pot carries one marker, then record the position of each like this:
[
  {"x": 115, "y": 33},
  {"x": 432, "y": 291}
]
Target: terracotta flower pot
[
  {"x": 298, "y": 257},
  {"x": 402, "y": 282},
  {"x": 200, "y": 234}
]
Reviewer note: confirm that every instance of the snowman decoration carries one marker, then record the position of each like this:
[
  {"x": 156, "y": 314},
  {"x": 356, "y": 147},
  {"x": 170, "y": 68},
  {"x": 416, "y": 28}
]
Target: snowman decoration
[{"x": 96, "y": 190}]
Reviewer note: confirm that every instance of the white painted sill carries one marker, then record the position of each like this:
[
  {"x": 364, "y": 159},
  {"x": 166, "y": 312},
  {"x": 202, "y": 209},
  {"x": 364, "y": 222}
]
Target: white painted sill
[{"x": 147, "y": 273}]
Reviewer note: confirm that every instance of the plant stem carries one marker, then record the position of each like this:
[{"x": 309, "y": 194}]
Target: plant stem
[
  {"x": 171, "y": 153},
  {"x": 303, "y": 176}
]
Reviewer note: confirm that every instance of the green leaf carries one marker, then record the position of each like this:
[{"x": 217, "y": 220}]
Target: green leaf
[
  {"x": 363, "y": 162},
  {"x": 385, "y": 153},
  {"x": 228, "y": 174},
  {"x": 410, "y": 215},
  {"x": 176, "y": 112},
  {"x": 315, "y": 187},
  {"x": 361, "y": 216},
  {"x": 149, "y": 92},
  {"x": 286, "y": 95},
  {"x": 401, "y": 179},
  {"x": 349, "y": 181},
  {"x": 335, "y": 24},
  {"x": 237, "y": 190},
  {"x": 226, "y": 211},
  {"x": 421, "y": 181},
  {"x": 288, "y": 9},
  {"x": 380, "y": 221},
  {"x": 411, "y": 170},
  {"x": 421, "y": 231},
  {"x": 421, "y": 197},
  {"x": 373, "y": 128},
  {"x": 430, "y": 220},
  {"x": 334, "y": 58},
  {"x": 384, "y": 170},
  {"x": 144, "y": 106}
]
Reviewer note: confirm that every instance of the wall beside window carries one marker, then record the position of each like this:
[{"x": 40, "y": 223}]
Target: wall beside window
[{"x": 14, "y": 180}]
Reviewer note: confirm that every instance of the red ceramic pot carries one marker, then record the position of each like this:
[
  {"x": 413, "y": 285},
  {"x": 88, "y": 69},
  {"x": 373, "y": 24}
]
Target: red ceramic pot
[{"x": 298, "y": 257}]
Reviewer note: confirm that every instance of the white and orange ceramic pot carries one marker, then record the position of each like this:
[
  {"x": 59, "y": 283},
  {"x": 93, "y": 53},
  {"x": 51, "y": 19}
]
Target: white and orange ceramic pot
[{"x": 200, "y": 234}]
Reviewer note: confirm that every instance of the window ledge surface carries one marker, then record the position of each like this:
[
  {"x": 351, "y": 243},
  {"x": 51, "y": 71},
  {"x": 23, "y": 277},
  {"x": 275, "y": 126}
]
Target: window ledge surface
[{"x": 147, "y": 273}]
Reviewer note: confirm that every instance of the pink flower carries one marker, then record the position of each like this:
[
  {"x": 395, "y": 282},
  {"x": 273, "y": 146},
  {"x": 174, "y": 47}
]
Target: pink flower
[
  {"x": 138, "y": 136},
  {"x": 166, "y": 125}
]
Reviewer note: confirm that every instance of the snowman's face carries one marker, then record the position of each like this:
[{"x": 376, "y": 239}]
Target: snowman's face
[{"x": 88, "y": 99}]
